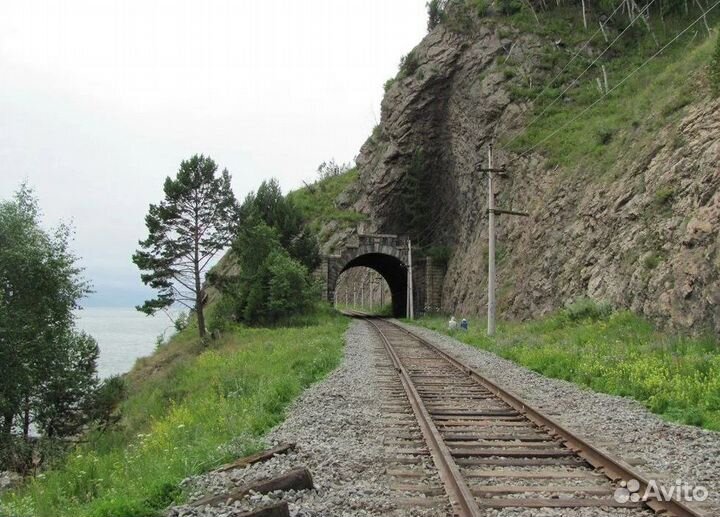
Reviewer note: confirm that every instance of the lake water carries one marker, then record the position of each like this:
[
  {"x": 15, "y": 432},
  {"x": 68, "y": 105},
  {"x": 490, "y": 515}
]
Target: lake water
[{"x": 123, "y": 335}]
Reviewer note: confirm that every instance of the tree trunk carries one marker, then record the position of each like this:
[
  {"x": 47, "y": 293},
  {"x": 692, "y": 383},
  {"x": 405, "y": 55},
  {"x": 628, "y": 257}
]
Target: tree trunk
[
  {"x": 198, "y": 286},
  {"x": 200, "y": 314},
  {"x": 7, "y": 423},
  {"x": 26, "y": 418}
]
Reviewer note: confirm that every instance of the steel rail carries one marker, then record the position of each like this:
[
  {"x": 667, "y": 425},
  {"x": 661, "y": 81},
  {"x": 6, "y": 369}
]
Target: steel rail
[
  {"x": 461, "y": 498},
  {"x": 611, "y": 467}
]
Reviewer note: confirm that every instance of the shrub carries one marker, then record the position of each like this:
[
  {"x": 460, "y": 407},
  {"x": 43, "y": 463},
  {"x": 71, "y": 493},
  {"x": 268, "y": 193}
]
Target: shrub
[
  {"x": 715, "y": 70},
  {"x": 664, "y": 195},
  {"x": 652, "y": 261},
  {"x": 480, "y": 6},
  {"x": 605, "y": 135},
  {"x": 440, "y": 255},
  {"x": 409, "y": 64},
  {"x": 108, "y": 398},
  {"x": 587, "y": 309},
  {"x": 509, "y": 7},
  {"x": 436, "y": 13},
  {"x": 289, "y": 288}
]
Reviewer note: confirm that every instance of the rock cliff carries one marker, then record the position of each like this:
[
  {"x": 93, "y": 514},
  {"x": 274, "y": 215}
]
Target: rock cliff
[{"x": 642, "y": 235}]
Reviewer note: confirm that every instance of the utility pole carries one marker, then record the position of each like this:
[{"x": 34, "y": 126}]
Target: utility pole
[
  {"x": 491, "y": 246},
  {"x": 410, "y": 308},
  {"x": 491, "y": 238}
]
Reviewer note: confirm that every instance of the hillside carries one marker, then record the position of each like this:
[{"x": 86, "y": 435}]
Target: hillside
[{"x": 621, "y": 183}]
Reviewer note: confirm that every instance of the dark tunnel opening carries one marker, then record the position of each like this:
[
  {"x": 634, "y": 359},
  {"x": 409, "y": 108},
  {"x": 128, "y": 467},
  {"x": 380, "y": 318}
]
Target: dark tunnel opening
[{"x": 393, "y": 270}]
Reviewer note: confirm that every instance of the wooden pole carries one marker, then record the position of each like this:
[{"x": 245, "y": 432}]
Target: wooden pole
[
  {"x": 410, "y": 308},
  {"x": 491, "y": 247}
]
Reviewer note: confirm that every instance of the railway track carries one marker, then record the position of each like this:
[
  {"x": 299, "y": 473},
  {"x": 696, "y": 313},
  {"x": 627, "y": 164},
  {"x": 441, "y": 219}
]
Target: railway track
[{"x": 466, "y": 437}]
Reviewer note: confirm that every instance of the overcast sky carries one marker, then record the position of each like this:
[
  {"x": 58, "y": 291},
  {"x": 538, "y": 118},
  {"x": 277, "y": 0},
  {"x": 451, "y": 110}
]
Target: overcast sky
[{"x": 100, "y": 100}]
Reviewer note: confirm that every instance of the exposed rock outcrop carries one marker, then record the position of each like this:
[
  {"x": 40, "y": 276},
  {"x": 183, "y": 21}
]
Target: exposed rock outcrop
[{"x": 643, "y": 236}]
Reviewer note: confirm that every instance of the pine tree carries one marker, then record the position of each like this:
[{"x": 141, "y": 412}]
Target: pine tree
[{"x": 195, "y": 221}]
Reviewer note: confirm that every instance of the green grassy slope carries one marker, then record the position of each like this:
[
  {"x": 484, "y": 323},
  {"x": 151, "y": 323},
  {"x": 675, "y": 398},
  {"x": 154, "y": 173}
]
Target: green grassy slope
[
  {"x": 639, "y": 103},
  {"x": 190, "y": 409},
  {"x": 318, "y": 201}
]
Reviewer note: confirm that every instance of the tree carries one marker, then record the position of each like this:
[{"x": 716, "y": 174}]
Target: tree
[
  {"x": 280, "y": 213},
  {"x": 195, "y": 221},
  {"x": 271, "y": 285},
  {"x": 436, "y": 11},
  {"x": 275, "y": 252},
  {"x": 49, "y": 369}
]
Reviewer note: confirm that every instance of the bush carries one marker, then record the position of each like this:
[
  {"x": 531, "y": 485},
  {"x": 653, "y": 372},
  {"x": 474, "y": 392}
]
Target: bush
[
  {"x": 509, "y": 7},
  {"x": 664, "y": 195},
  {"x": 436, "y": 13},
  {"x": 480, "y": 6},
  {"x": 271, "y": 286},
  {"x": 605, "y": 135},
  {"x": 715, "y": 70},
  {"x": 108, "y": 398},
  {"x": 587, "y": 309},
  {"x": 409, "y": 64}
]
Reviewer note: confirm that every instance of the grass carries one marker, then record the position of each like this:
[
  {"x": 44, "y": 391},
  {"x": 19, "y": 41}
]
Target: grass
[
  {"x": 630, "y": 116},
  {"x": 189, "y": 410},
  {"x": 612, "y": 352},
  {"x": 317, "y": 201}
]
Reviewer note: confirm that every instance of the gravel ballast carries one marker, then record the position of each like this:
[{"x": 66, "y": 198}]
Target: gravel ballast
[
  {"x": 342, "y": 437},
  {"x": 667, "y": 452},
  {"x": 339, "y": 432}
]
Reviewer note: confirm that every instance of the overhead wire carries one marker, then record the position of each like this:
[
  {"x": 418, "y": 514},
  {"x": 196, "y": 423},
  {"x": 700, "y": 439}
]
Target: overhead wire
[
  {"x": 575, "y": 56},
  {"x": 618, "y": 85},
  {"x": 574, "y": 81}
]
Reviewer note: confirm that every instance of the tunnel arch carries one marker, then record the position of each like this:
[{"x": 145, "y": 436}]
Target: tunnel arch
[
  {"x": 392, "y": 269},
  {"x": 383, "y": 253}
]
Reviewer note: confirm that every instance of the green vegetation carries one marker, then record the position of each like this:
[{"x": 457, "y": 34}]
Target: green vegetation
[
  {"x": 189, "y": 409},
  {"x": 664, "y": 195},
  {"x": 408, "y": 64},
  {"x": 195, "y": 221},
  {"x": 274, "y": 254},
  {"x": 612, "y": 352},
  {"x": 631, "y": 114},
  {"x": 715, "y": 69},
  {"x": 49, "y": 376},
  {"x": 317, "y": 202}
]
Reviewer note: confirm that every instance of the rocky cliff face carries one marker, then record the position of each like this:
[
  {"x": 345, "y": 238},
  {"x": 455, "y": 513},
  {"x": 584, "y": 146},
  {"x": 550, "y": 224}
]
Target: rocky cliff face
[{"x": 643, "y": 236}]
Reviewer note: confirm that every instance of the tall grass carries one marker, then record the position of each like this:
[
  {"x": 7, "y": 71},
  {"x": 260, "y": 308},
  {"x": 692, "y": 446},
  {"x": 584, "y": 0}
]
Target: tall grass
[
  {"x": 187, "y": 413},
  {"x": 318, "y": 201},
  {"x": 612, "y": 352}
]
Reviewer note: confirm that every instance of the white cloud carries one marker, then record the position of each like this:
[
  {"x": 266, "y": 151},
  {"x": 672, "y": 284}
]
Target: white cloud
[{"x": 100, "y": 100}]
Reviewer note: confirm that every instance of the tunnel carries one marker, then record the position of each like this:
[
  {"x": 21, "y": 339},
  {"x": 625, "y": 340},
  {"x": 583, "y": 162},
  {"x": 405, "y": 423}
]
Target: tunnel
[{"x": 393, "y": 270}]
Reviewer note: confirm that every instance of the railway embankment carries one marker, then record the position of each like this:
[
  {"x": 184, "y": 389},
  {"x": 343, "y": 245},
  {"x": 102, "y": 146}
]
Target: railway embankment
[{"x": 190, "y": 408}]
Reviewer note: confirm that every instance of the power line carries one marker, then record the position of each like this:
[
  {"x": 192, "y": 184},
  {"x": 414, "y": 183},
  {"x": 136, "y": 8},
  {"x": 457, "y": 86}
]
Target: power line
[
  {"x": 574, "y": 81},
  {"x": 598, "y": 31},
  {"x": 623, "y": 81}
]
